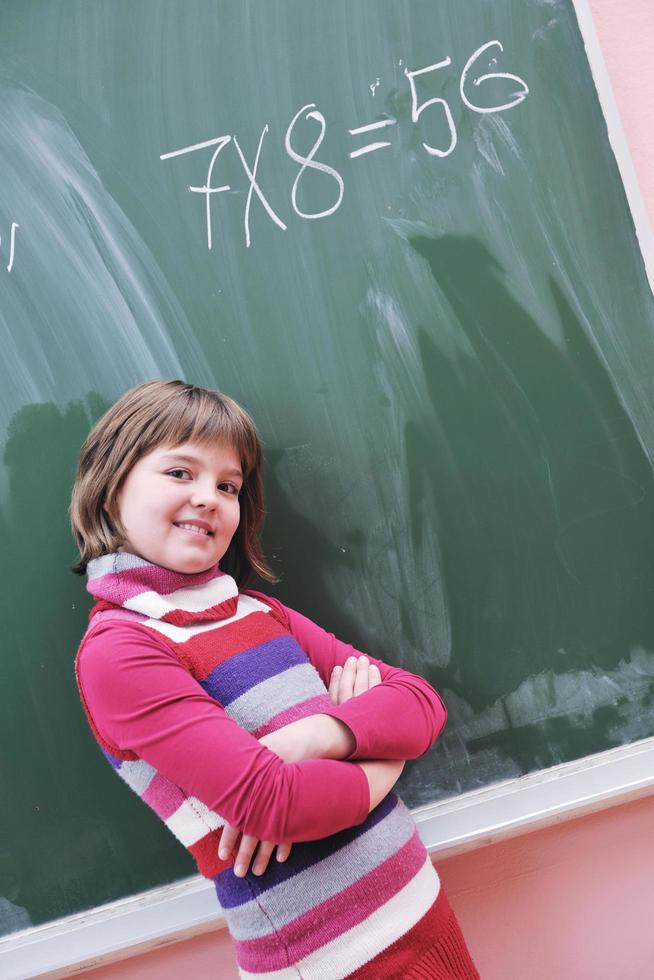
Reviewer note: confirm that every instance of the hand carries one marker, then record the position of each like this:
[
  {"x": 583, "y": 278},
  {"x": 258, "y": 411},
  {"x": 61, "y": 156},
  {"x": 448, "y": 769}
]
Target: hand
[
  {"x": 357, "y": 676},
  {"x": 288, "y": 748},
  {"x": 247, "y": 846}
]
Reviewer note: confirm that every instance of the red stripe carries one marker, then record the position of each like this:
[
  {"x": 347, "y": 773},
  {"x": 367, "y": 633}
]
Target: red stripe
[
  {"x": 182, "y": 617},
  {"x": 204, "y": 651},
  {"x": 205, "y": 852},
  {"x": 397, "y": 959},
  {"x": 100, "y": 606}
]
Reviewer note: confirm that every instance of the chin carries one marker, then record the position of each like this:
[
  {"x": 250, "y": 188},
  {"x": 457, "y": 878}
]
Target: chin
[
  {"x": 187, "y": 567},
  {"x": 192, "y": 567}
]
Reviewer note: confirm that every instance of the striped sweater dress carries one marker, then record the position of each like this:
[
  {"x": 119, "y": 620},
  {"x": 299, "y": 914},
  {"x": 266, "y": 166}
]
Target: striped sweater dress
[{"x": 174, "y": 671}]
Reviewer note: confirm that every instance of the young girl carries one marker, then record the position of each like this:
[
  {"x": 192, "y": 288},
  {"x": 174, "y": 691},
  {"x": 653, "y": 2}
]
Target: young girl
[{"x": 241, "y": 723}]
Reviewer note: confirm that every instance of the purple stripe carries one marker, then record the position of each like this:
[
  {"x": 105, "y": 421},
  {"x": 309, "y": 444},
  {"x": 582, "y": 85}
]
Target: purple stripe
[
  {"x": 232, "y": 678},
  {"x": 233, "y": 891},
  {"x": 111, "y": 759}
]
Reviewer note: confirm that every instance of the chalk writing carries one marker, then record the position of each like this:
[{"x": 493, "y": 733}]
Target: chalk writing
[
  {"x": 251, "y": 175},
  {"x": 220, "y": 142},
  {"x": 369, "y": 147},
  {"x": 417, "y": 110},
  {"x": 309, "y": 113},
  {"x": 519, "y": 96},
  {"x": 12, "y": 245},
  {"x": 308, "y": 161}
]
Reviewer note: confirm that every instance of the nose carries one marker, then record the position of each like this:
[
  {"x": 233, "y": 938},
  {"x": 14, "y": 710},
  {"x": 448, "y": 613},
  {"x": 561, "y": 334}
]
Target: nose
[{"x": 204, "y": 494}]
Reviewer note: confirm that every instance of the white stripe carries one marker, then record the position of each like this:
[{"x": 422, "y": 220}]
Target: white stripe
[
  {"x": 192, "y": 821},
  {"x": 180, "y": 634},
  {"x": 358, "y": 945},
  {"x": 194, "y": 599},
  {"x": 138, "y": 774}
]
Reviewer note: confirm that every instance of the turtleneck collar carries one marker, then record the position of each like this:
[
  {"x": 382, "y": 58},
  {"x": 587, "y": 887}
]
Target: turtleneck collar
[{"x": 126, "y": 580}]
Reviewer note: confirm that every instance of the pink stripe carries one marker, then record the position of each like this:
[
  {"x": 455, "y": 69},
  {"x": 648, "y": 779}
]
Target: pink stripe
[
  {"x": 329, "y": 920},
  {"x": 117, "y": 614},
  {"x": 119, "y": 587},
  {"x": 163, "y": 796},
  {"x": 313, "y": 706}
]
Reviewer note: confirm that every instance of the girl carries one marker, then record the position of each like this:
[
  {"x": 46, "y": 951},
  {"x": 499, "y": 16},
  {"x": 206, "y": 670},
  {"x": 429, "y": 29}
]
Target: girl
[{"x": 241, "y": 723}]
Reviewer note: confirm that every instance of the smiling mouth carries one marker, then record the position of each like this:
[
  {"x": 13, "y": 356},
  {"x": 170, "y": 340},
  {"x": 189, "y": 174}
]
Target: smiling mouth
[{"x": 194, "y": 529}]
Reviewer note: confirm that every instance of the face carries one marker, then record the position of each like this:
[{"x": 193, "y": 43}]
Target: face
[{"x": 179, "y": 505}]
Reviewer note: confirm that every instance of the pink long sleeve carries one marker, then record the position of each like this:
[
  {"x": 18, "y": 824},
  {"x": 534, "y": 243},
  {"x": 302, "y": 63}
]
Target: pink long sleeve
[
  {"x": 143, "y": 700},
  {"x": 400, "y": 718}
]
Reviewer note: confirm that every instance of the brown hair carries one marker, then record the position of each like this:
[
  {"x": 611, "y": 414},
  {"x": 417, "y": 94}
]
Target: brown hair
[{"x": 163, "y": 413}]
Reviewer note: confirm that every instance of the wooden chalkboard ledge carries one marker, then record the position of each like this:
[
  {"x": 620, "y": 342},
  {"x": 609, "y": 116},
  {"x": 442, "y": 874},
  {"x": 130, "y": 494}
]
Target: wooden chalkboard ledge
[{"x": 187, "y": 908}]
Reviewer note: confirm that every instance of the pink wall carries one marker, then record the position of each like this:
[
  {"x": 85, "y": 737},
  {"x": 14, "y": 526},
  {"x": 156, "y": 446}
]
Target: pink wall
[
  {"x": 574, "y": 901},
  {"x": 626, "y": 33}
]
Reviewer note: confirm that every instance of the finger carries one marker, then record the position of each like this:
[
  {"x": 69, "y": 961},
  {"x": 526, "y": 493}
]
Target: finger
[
  {"x": 346, "y": 682},
  {"x": 361, "y": 676},
  {"x": 374, "y": 675},
  {"x": 228, "y": 840},
  {"x": 334, "y": 682},
  {"x": 264, "y": 851},
  {"x": 283, "y": 850},
  {"x": 245, "y": 852}
]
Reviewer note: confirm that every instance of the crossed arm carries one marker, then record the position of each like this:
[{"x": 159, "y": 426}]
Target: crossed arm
[
  {"x": 140, "y": 698},
  {"x": 315, "y": 737}
]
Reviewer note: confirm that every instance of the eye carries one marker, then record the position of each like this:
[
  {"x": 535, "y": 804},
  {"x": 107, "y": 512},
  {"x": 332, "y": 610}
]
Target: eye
[
  {"x": 176, "y": 472},
  {"x": 231, "y": 488}
]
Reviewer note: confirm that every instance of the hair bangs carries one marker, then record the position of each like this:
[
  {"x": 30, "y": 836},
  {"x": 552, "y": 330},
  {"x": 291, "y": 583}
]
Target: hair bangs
[{"x": 205, "y": 417}]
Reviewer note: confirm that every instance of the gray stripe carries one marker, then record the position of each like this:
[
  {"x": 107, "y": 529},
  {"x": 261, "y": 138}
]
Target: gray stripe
[
  {"x": 110, "y": 564},
  {"x": 137, "y": 773},
  {"x": 309, "y": 888},
  {"x": 265, "y": 700}
]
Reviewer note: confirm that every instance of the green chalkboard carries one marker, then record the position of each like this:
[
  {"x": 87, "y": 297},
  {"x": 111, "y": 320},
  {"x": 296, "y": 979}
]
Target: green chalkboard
[{"x": 447, "y": 341}]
